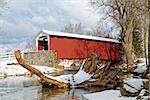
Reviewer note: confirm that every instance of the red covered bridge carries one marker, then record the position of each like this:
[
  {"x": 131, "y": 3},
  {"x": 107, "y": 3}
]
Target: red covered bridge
[{"x": 77, "y": 46}]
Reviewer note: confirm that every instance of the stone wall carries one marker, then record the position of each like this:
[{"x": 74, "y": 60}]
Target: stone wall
[{"x": 43, "y": 58}]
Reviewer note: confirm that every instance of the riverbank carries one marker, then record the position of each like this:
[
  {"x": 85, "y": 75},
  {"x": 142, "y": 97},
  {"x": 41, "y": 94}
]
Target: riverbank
[
  {"x": 109, "y": 95},
  {"x": 7, "y": 69}
]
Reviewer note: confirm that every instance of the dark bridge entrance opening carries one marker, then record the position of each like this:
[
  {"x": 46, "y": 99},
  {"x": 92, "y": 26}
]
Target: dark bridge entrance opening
[{"x": 43, "y": 43}]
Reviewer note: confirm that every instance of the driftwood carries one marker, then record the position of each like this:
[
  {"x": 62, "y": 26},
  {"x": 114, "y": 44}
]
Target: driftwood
[
  {"x": 95, "y": 69},
  {"x": 102, "y": 76},
  {"x": 37, "y": 72}
]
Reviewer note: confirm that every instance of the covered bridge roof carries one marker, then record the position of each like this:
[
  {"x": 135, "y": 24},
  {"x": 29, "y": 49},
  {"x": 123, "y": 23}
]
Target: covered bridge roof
[{"x": 81, "y": 36}]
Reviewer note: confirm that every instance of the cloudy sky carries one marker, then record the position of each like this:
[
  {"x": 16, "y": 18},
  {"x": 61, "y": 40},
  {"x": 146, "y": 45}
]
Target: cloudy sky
[{"x": 23, "y": 19}]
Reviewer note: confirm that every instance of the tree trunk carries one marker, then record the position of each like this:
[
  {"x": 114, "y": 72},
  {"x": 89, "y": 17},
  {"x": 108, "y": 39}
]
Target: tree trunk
[
  {"x": 148, "y": 70},
  {"x": 127, "y": 44}
]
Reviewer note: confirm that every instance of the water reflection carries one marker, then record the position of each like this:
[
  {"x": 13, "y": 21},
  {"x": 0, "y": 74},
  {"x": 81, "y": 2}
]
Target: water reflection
[
  {"x": 27, "y": 93},
  {"x": 19, "y": 88},
  {"x": 67, "y": 94},
  {"x": 22, "y": 88}
]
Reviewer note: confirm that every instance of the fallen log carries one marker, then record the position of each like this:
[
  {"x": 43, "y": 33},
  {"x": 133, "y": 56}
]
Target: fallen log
[
  {"x": 37, "y": 72},
  {"x": 91, "y": 68}
]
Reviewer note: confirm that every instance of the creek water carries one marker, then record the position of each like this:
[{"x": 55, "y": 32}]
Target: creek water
[{"x": 26, "y": 88}]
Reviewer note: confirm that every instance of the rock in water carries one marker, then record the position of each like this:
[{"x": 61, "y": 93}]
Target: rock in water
[{"x": 132, "y": 87}]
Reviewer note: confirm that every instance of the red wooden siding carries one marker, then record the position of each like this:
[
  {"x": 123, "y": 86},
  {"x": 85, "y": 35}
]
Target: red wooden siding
[
  {"x": 73, "y": 48},
  {"x": 40, "y": 45}
]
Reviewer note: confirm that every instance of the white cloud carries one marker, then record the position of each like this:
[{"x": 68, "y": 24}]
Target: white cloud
[{"x": 25, "y": 18}]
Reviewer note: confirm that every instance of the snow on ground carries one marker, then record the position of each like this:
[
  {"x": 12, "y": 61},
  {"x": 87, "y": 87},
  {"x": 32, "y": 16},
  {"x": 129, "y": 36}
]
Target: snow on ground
[
  {"x": 136, "y": 83},
  {"x": 108, "y": 95},
  {"x": 21, "y": 81},
  {"x": 66, "y": 64},
  {"x": 141, "y": 68},
  {"x": 75, "y": 79},
  {"x": 15, "y": 70},
  {"x": 116, "y": 95},
  {"x": 45, "y": 69}
]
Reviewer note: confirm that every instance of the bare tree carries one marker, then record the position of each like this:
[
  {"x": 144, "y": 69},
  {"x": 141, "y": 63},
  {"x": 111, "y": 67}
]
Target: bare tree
[
  {"x": 126, "y": 14},
  {"x": 30, "y": 45},
  {"x": 98, "y": 31},
  {"x": 73, "y": 28}
]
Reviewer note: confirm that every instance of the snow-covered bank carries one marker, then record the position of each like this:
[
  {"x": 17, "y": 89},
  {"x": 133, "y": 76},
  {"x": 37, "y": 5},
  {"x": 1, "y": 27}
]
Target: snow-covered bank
[
  {"x": 134, "y": 85},
  {"x": 17, "y": 70},
  {"x": 131, "y": 85},
  {"x": 141, "y": 68},
  {"x": 70, "y": 64},
  {"x": 109, "y": 95},
  {"x": 22, "y": 81}
]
